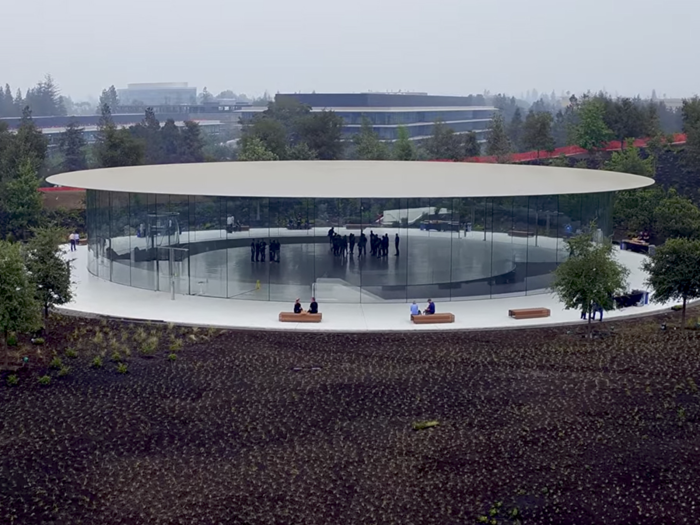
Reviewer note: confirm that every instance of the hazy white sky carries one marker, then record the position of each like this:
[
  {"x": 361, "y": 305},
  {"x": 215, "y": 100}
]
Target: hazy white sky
[{"x": 439, "y": 46}]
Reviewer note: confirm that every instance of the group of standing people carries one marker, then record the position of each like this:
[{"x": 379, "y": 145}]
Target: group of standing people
[
  {"x": 379, "y": 245},
  {"x": 258, "y": 250}
]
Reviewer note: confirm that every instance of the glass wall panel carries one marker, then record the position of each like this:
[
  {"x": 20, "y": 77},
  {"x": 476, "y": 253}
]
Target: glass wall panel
[{"x": 279, "y": 248}]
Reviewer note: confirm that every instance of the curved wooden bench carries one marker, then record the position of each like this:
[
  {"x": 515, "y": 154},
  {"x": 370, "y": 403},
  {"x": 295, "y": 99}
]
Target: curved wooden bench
[
  {"x": 433, "y": 318},
  {"x": 291, "y": 317},
  {"x": 529, "y": 313}
]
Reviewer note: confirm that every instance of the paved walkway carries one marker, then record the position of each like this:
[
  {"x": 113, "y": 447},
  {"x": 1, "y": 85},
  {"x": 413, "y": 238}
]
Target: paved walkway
[{"x": 97, "y": 296}]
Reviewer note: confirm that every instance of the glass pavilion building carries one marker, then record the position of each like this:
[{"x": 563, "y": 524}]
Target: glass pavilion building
[{"x": 465, "y": 231}]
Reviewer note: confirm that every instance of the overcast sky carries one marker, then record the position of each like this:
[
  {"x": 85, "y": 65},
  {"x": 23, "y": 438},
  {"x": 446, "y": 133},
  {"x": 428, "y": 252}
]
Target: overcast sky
[{"x": 440, "y": 46}]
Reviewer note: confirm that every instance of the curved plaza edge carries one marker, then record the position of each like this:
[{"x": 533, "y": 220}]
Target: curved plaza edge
[{"x": 94, "y": 296}]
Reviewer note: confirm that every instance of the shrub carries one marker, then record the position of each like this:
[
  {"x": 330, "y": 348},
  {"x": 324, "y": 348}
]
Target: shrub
[
  {"x": 12, "y": 340},
  {"x": 12, "y": 380},
  {"x": 176, "y": 345},
  {"x": 63, "y": 371},
  {"x": 99, "y": 338},
  {"x": 172, "y": 357},
  {"x": 140, "y": 335},
  {"x": 122, "y": 368},
  {"x": 44, "y": 380},
  {"x": 56, "y": 363},
  {"x": 38, "y": 340},
  {"x": 97, "y": 362},
  {"x": 71, "y": 353}
]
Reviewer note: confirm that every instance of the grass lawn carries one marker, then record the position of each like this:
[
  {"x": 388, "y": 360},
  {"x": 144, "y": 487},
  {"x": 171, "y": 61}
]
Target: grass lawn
[{"x": 148, "y": 424}]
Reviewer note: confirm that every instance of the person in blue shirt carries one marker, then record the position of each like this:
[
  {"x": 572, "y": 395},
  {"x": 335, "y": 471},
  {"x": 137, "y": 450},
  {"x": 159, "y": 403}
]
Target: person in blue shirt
[
  {"x": 430, "y": 310},
  {"x": 414, "y": 309}
]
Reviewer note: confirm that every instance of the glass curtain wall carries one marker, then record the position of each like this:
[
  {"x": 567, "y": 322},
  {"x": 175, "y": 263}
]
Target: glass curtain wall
[{"x": 339, "y": 250}]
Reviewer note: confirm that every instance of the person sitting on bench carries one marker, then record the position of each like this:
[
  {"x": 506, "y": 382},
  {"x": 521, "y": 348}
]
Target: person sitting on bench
[
  {"x": 414, "y": 309},
  {"x": 297, "y": 307},
  {"x": 430, "y": 310},
  {"x": 313, "y": 307}
]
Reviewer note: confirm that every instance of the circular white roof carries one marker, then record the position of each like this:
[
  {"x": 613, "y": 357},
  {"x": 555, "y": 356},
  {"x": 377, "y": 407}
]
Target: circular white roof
[{"x": 351, "y": 179}]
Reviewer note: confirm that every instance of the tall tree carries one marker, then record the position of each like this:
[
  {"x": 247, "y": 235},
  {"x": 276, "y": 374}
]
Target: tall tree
[
  {"x": 171, "y": 142},
  {"x": 592, "y": 133},
  {"x": 49, "y": 272},
  {"x": 537, "y": 132},
  {"x": 674, "y": 272},
  {"x": 472, "y": 148},
  {"x": 116, "y": 147},
  {"x": 29, "y": 144},
  {"x": 72, "y": 146},
  {"x": 497, "y": 143},
  {"x": 22, "y": 201},
  {"x": 109, "y": 97},
  {"x": 322, "y": 132},
  {"x": 300, "y": 151},
  {"x": 19, "y": 310},
  {"x": 691, "y": 127},
  {"x": 270, "y": 131},
  {"x": 403, "y": 147},
  {"x": 515, "y": 129},
  {"x": 148, "y": 132},
  {"x": 444, "y": 143},
  {"x": 367, "y": 143},
  {"x": 591, "y": 275},
  {"x": 192, "y": 143},
  {"x": 635, "y": 210}
]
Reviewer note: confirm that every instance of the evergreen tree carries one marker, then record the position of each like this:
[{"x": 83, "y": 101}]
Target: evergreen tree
[
  {"x": 629, "y": 161},
  {"x": 192, "y": 143},
  {"x": 148, "y": 132},
  {"x": 443, "y": 143},
  {"x": 367, "y": 143},
  {"x": 497, "y": 143},
  {"x": 171, "y": 142},
  {"x": 72, "y": 146},
  {"x": 537, "y": 132},
  {"x": 300, "y": 151},
  {"x": 22, "y": 201},
  {"x": 29, "y": 144},
  {"x": 515, "y": 129},
  {"x": 322, "y": 132},
  {"x": 49, "y": 272},
  {"x": 116, "y": 147},
  {"x": 691, "y": 127},
  {"x": 19, "y": 310},
  {"x": 403, "y": 147},
  {"x": 110, "y": 98},
  {"x": 472, "y": 148},
  {"x": 677, "y": 216}
]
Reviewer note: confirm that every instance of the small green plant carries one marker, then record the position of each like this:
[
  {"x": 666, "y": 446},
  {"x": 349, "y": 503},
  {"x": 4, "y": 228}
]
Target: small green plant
[
  {"x": 44, "y": 380},
  {"x": 122, "y": 368},
  {"x": 99, "y": 338},
  {"x": 140, "y": 335},
  {"x": 116, "y": 357},
  {"x": 97, "y": 362},
  {"x": 149, "y": 346},
  {"x": 63, "y": 371},
  {"x": 12, "y": 380},
  {"x": 56, "y": 363},
  {"x": 172, "y": 357},
  {"x": 71, "y": 353},
  {"x": 176, "y": 345},
  {"x": 422, "y": 425},
  {"x": 12, "y": 340},
  {"x": 38, "y": 341}
]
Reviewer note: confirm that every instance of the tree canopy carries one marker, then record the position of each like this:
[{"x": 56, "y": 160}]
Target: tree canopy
[
  {"x": 50, "y": 274},
  {"x": 497, "y": 143},
  {"x": 674, "y": 272},
  {"x": 629, "y": 160},
  {"x": 367, "y": 143},
  {"x": 19, "y": 310},
  {"x": 592, "y": 133}
]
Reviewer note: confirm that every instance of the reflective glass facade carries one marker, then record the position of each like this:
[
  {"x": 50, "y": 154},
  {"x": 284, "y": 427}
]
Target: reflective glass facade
[{"x": 448, "y": 249}]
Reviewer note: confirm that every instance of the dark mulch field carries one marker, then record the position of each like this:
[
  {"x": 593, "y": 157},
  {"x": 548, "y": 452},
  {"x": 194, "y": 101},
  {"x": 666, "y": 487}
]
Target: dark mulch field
[{"x": 540, "y": 426}]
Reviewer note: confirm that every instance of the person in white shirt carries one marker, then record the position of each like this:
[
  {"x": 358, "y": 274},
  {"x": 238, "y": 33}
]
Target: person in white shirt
[{"x": 74, "y": 238}]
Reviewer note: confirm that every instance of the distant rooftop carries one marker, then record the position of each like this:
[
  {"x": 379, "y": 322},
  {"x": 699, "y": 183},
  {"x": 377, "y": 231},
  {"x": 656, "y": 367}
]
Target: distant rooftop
[{"x": 158, "y": 85}]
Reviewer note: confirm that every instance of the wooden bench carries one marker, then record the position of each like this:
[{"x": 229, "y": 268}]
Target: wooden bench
[
  {"x": 291, "y": 317},
  {"x": 521, "y": 233},
  {"x": 433, "y": 318},
  {"x": 529, "y": 313}
]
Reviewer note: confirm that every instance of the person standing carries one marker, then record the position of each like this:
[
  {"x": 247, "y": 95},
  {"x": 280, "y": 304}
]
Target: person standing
[
  {"x": 263, "y": 246},
  {"x": 71, "y": 238},
  {"x": 396, "y": 244},
  {"x": 331, "y": 234},
  {"x": 362, "y": 248},
  {"x": 252, "y": 251},
  {"x": 352, "y": 244}
]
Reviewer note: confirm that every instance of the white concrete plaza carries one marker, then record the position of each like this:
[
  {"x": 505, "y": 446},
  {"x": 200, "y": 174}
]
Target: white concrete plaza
[{"x": 98, "y": 296}]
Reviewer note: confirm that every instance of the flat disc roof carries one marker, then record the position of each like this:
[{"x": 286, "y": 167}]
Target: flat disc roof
[{"x": 351, "y": 179}]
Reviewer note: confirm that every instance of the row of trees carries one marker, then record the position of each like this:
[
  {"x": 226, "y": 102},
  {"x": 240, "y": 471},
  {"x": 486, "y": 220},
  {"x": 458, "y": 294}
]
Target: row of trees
[{"x": 44, "y": 99}]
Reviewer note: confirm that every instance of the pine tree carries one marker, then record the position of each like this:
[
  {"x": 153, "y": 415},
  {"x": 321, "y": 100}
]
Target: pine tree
[
  {"x": 472, "y": 148},
  {"x": 72, "y": 146},
  {"x": 497, "y": 143},
  {"x": 367, "y": 143},
  {"x": 116, "y": 147},
  {"x": 191, "y": 143},
  {"x": 403, "y": 147},
  {"x": 29, "y": 144},
  {"x": 22, "y": 201},
  {"x": 515, "y": 129}
]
